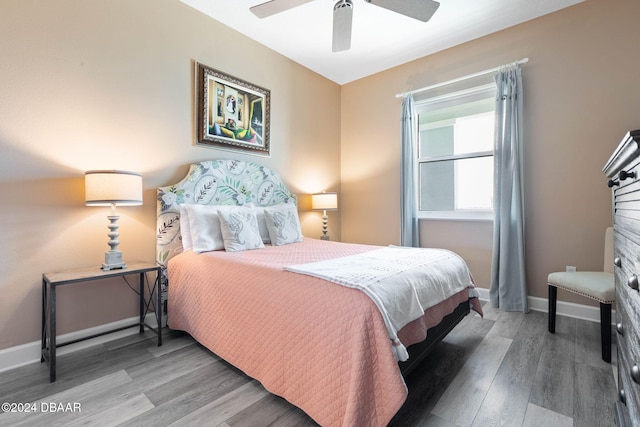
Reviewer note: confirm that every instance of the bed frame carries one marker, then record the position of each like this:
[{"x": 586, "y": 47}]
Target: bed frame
[
  {"x": 235, "y": 182},
  {"x": 418, "y": 352}
]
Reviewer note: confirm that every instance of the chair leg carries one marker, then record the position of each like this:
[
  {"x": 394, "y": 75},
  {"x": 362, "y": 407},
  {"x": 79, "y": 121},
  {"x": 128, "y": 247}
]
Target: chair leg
[
  {"x": 553, "y": 294},
  {"x": 605, "y": 331}
]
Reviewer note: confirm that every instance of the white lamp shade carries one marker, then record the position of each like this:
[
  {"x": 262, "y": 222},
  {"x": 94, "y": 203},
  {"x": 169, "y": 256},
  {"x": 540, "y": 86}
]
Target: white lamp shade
[
  {"x": 324, "y": 201},
  {"x": 108, "y": 187}
]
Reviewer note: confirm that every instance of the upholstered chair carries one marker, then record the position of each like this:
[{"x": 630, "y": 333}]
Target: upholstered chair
[{"x": 597, "y": 285}]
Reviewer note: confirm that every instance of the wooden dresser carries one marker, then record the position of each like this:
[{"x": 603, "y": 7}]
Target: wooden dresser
[{"x": 623, "y": 171}]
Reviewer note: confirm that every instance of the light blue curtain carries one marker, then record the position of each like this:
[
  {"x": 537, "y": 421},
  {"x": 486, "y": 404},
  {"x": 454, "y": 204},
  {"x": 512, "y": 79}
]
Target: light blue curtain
[
  {"x": 508, "y": 277},
  {"x": 409, "y": 232}
]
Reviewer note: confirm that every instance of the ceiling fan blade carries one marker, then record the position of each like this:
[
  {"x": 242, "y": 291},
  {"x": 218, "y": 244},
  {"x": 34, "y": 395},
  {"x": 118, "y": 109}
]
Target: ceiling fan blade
[
  {"x": 421, "y": 10},
  {"x": 342, "y": 20},
  {"x": 275, "y": 6}
]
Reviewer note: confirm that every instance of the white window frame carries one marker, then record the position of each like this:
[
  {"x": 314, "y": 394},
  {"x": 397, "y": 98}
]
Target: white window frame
[{"x": 458, "y": 214}]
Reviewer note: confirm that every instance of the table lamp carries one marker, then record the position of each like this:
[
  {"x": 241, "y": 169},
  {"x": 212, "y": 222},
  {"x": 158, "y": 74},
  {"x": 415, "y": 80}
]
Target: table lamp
[
  {"x": 324, "y": 202},
  {"x": 113, "y": 188}
]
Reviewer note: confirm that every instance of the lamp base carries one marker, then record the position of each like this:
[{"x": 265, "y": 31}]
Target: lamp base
[
  {"x": 113, "y": 261},
  {"x": 325, "y": 226}
]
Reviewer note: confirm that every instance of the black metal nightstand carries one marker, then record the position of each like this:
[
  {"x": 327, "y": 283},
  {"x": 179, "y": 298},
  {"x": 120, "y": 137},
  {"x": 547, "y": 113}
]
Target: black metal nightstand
[{"x": 50, "y": 281}]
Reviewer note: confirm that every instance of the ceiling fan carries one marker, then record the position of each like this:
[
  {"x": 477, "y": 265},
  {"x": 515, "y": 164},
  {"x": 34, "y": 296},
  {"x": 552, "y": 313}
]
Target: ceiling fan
[{"x": 421, "y": 10}]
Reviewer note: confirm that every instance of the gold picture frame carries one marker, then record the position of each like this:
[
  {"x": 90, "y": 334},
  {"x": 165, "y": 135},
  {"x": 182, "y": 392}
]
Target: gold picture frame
[{"x": 232, "y": 113}]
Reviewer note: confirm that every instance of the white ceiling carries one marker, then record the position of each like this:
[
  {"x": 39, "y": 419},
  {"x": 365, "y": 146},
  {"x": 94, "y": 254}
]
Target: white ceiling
[{"x": 381, "y": 39}]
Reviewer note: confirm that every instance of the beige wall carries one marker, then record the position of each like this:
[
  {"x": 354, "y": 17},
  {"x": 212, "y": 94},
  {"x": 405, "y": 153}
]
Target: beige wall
[
  {"x": 91, "y": 84},
  {"x": 95, "y": 84},
  {"x": 581, "y": 96}
]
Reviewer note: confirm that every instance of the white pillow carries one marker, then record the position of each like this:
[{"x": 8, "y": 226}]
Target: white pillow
[
  {"x": 185, "y": 229},
  {"x": 283, "y": 224},
  {"x": 240, "y": 229},
  {"x": 204, "y": 227},
  {"x": 262, "y": 223}
]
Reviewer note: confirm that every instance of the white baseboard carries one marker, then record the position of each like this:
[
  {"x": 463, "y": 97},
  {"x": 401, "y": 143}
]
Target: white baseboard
[
  {"x": 568, "y": 309},
  {"x": 14, "y": 357}
]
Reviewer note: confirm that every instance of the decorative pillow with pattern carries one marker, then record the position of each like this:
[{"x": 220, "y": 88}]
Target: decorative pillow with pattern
[
  {"x": 262, "y": 223},
  {"x": 240, "y": 230},
  {"x": 283, "y": 224}
]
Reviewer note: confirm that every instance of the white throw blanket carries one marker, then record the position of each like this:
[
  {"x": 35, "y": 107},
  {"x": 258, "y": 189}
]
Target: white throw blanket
[{"x": 403, "y": 282}]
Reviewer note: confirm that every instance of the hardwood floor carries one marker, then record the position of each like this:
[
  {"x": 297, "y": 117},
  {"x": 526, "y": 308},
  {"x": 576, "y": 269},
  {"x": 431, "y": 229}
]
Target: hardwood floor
[{"x": 503, "y": 370}]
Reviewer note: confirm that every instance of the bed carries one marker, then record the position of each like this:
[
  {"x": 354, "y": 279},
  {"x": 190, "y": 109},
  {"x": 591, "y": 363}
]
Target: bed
[{"x": 241, "y": 279}]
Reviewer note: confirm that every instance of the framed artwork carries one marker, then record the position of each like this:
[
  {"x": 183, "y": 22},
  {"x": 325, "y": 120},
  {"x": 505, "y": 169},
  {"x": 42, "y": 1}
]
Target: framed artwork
[{"x": 232, "y": 113}]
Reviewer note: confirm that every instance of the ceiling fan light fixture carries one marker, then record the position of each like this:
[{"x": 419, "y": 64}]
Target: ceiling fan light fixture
[{"x": 342, "y": 20}]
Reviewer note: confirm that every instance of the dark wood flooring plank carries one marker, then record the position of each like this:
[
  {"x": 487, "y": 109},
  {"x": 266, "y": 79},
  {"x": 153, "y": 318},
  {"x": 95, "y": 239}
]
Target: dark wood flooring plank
[
  {"x": 424, "y": 392},
  {"x": 490, "y": 312},
  {"x": 220, "y": 410},
  {"x": 460, "y": 402},
  {"x": 159, "y": 370},
  {"x": 507, "y": 324},
  {"x": 588, "y": 344},
  {"x": 178, "y": 340},
  {"x": 434, "y": 421},
  {"x": 507, "y": 398},
  {"x": 79, "y": 367},
  {"x": 90, "y": 395},
  {"x": 458, "y": 345},
  {"x": 594, "y": 395},
  {"x": 554, "y": 381},
  {"x": 116, "y": 412},
  {"x": 295, "y": 418},
  {"x": 31, "y": 382},
  {"x": 541, "y": 417},
  {"x": 267, "y": 411},
  {"x": 428, "y": 382},
  {"x": 188, "y": 394},
  {"x": 147, "y": 336}
]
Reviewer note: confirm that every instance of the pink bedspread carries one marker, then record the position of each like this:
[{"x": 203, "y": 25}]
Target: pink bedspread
[{"x": 321, "y": 346}]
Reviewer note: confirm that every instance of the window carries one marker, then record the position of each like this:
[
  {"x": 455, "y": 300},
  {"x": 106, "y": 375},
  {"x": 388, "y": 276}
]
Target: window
[{"x": 455, "y": 154}]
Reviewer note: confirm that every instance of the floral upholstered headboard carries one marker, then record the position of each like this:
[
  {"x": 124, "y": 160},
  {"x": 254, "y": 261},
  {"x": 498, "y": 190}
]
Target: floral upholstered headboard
[{"x": 213, "y": 182}]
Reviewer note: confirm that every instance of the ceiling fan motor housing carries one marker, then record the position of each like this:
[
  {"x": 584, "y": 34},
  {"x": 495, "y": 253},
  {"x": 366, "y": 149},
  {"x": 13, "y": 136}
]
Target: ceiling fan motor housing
[
  {"x": 344, "y": 3},
  {"x": 342, "y": 19}
]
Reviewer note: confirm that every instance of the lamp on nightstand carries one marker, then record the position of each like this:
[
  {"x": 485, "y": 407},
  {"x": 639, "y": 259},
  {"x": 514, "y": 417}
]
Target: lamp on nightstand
[
  {"x": 113, "y": 188},
  {"x": 324, "y": 202}
]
